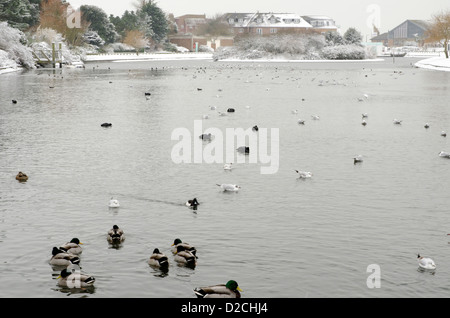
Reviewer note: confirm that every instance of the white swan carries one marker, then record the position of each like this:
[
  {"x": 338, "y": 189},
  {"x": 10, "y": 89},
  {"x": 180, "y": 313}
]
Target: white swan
[
  {"x": 113, "y": 203},
  {"x": 315, "y": 117},
  {"x": 229, "y": 187},
  {"x": 227, "y": 166},
  {"x": 304, "y": 174},
  {"x": 425, "y": 262}
]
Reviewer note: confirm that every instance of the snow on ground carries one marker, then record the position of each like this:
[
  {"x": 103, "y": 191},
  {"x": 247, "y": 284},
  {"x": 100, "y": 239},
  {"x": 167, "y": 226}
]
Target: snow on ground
[{"x": 435, "y": 63}]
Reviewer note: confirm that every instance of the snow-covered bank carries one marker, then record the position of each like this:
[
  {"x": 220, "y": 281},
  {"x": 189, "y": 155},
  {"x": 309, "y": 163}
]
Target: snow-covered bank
[
  {"x": 10, "y": 70},
  {"x": 301, "y": 61},
  {"x": 146, "y": 56},
  {"x": 435, "y": 63}
]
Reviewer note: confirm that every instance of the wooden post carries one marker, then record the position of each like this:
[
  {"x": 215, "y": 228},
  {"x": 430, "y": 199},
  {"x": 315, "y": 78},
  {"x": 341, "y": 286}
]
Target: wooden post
[
  {"x": 53, "y": 55},
  {"x": 60, "y": 55}
]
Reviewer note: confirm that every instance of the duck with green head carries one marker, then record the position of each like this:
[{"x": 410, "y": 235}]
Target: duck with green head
[
  {"x": 177, "y": 242},
  {"x": 75, "y": 279},
  {"x": 72, "y": 247},
  {"x": 229, "y": 290},
  {"x": 62, "y": 258},
  {"x": 185, "y": 257}
]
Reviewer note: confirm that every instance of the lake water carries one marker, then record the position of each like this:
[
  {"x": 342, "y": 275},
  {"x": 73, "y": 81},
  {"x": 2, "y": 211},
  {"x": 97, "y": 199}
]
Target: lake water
[{"x": 279, "y": 236}]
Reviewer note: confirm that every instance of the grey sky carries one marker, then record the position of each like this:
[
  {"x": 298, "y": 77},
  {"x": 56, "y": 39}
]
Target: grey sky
[{"x": 346, "y": 13}]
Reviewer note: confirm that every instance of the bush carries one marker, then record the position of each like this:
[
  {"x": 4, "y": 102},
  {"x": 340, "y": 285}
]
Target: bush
[
  {"x": 11, "y": 41},
  {"x": 344, "y": 52}
]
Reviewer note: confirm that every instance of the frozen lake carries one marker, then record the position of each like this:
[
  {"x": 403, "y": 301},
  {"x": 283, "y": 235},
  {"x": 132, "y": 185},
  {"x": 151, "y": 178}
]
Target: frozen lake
[{"x": 279, "y": 236}]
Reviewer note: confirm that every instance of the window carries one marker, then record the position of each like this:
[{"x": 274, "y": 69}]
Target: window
[
  {"x": 259, "y": 20},
  {"x": 241, "y": 30},
  {"x": 273, "y": 30},
  {"x": 240, "y": 20},
  {"x": 230, "y": 20},
  {"x": 259, "y": 31}
]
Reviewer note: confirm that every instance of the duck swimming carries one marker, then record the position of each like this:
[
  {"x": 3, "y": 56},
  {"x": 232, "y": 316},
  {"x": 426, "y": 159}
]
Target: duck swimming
[
  {"x": 357, "y": 159},
  {"x": 185, "y": 257},
  {"x": 229, "y": 187},
  {"x": 304, "y": 174},
  {"x": 62, "y": 258},
  {"x": 72, "y": 247},
  {"x": 177, "y": 242},
  {"x": 227, "y": 166},
  {"x": 115, "y": 235},
  {"x": 243, "y": 149},
  {"x": 113, "y": 203},
  {"x": 75, "y": 279},
  {"x": 229, "y": 290},
  {"x": 426, "y": 263},
  {"x": 21, "y": 176},
  {"x": 158, "y": 259},
  {"x": 192, "y": 203}
]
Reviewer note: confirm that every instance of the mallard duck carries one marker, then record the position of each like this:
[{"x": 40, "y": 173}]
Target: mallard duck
[
  {"x": 158, "y": 259},
  {"x": 426, "y": 263},
  {"x": 187, "y": 246},
  {"x": 228, "y": 290},
  {"x": 62, "y": 258},
  {"x": 72, "y": 247},
  {"x": 75, "y": 279},
  {"x": 397, "y": 122},
  {"x": 185, "y": 257},
  {"x": 192, "y": 203},
  {"x": 115, "y": 235},
  {"x": 21, "y": 176}
]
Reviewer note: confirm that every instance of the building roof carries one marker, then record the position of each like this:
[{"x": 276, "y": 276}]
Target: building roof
[{"x": 267, "y": 20}]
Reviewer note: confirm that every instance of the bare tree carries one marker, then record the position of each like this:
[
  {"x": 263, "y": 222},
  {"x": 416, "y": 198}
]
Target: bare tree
[{"x": 439, "y": 30}]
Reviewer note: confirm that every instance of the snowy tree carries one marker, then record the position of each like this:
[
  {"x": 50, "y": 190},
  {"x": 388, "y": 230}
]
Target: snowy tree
[
  {"x": 21, "y": 14},
  {"x": 11, "y": 41},
  {"x": 439, "y": 30},
  {"x": 99, "y": 22},
  {"x": 92, "y": 37},
  {"x": 153, "y": 19},
  {"x": 353, "y": 36},
  {"x": 334, "y": 38}
]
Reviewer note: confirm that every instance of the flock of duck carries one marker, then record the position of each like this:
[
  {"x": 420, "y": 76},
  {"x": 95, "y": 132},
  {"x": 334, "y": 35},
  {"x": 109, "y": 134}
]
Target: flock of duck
[{"x": 66, "y": 259}]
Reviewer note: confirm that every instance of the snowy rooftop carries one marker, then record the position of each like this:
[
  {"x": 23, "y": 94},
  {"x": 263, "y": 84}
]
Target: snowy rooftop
[{"x": 278, "y": 20}]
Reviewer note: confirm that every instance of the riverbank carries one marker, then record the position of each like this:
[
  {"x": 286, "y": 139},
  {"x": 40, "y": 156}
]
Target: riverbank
[
  {"x": 435, "y": 63},
  {"x": 117, "y": 57}
]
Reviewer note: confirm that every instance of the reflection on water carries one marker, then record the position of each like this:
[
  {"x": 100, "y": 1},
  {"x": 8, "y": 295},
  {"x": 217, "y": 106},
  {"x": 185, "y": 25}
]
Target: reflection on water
[{"x": 311, "y": 237}]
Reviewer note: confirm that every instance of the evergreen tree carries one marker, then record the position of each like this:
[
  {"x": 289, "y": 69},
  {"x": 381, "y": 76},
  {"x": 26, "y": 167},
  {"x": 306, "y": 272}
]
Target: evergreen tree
[
  {"x": 20, "y": 14},
  {"x": 153, "y": 20},
  {"x": 99, "y": 22},
  {"x": 353, "y": 36}
]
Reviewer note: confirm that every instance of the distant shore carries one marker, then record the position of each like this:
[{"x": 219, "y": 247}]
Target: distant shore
[{"x": 117, "y": 57}]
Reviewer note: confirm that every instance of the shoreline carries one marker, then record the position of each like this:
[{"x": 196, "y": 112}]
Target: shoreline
[
  {"x": 7, "y": 70},
  {"x": 435, "y": 63}
]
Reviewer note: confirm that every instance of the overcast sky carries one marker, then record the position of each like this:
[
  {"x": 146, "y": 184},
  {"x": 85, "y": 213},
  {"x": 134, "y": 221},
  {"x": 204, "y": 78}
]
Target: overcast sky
[{"x": 386, "y": 14}]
